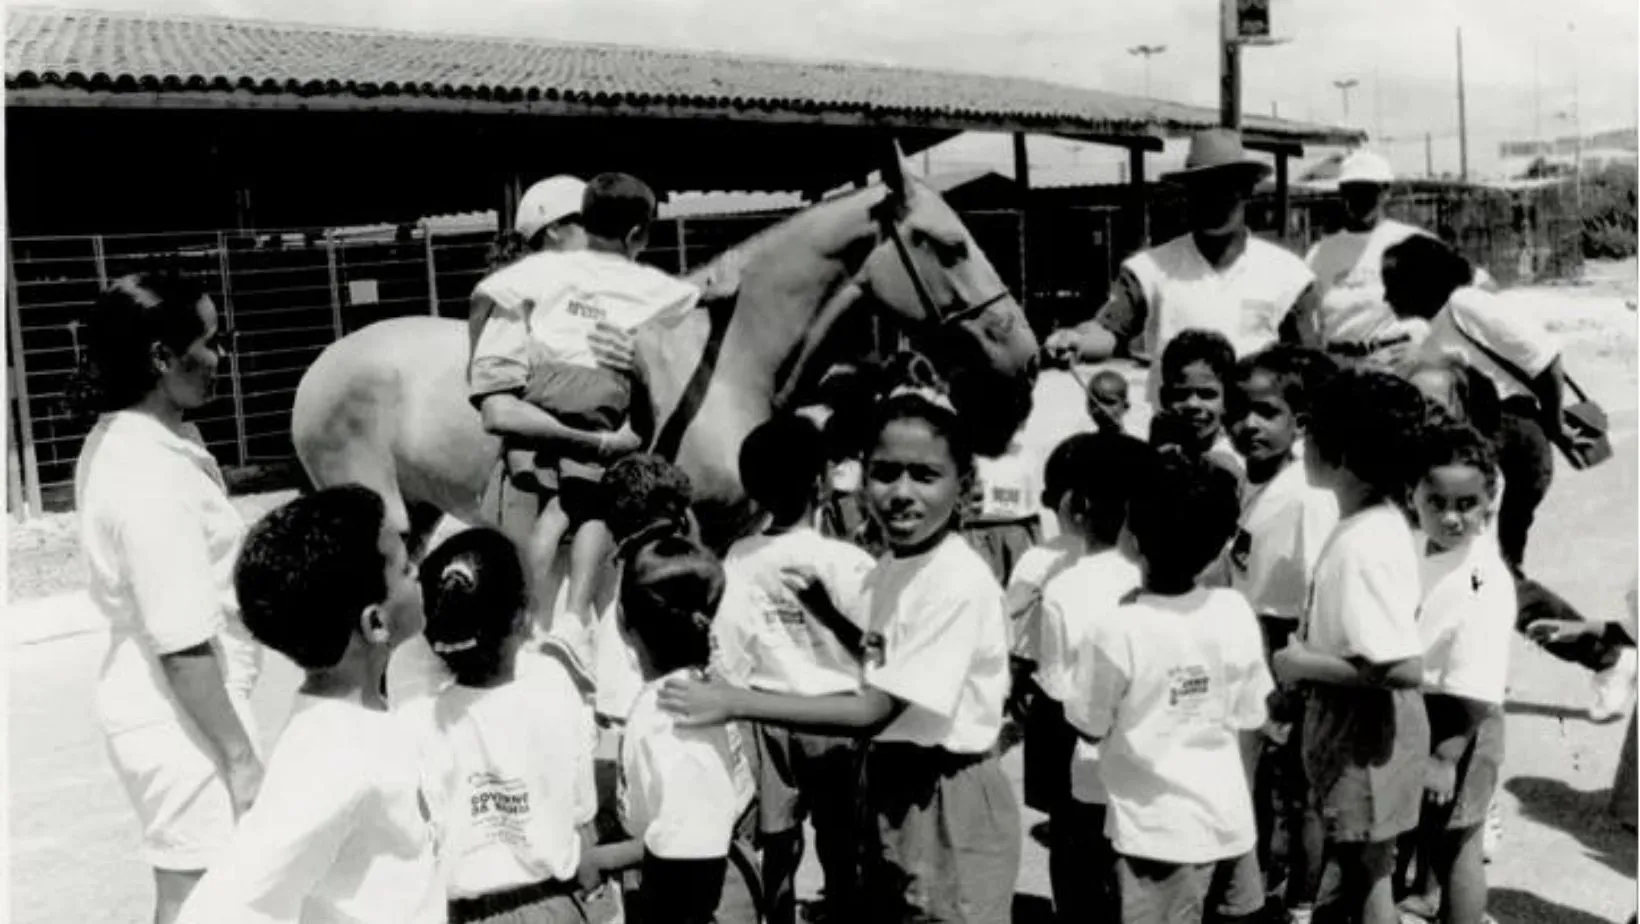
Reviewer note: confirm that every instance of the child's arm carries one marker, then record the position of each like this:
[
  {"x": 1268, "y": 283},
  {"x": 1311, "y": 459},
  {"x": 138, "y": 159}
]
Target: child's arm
[
  {"x": 810, "y": 591},
  {"x": 1463, "y": 717},
  {"x": 860, "y": 714},
  {"x": 607, "y": 860},
  {"x": 1296, "y": 663}
]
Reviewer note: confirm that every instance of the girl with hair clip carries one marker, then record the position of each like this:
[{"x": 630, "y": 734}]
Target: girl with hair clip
[
  {"x": 944, "y": 828},
  {"x": 506, "y": 748}
]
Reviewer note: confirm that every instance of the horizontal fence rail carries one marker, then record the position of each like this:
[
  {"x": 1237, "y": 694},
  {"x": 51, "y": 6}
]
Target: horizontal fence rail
[{"x": 284, "y": 295}]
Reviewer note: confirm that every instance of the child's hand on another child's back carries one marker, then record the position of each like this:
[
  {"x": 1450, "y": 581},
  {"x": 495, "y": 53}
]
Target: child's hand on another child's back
[
  {"x": 695, "y": 700},
  {"x": 1440, "y": 780}
]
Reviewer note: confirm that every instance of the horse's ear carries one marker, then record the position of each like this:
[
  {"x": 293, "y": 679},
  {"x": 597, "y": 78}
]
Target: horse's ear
[{"x": 894, "y": 170}]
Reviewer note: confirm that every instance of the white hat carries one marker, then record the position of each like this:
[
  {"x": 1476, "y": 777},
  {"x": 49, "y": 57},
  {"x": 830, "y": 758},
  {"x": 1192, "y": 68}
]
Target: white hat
[
  {"x": 1365, "y": 167},
  {"x": 553, "y": 199}
]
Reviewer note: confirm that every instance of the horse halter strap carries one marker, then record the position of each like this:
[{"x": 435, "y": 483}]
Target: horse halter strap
[{"x": 939, "y": 317}]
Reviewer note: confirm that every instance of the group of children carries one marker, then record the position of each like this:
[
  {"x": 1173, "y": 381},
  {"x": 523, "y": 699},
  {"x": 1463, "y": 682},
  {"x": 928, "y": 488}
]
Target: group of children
[{"x": 1275, "y": 635}]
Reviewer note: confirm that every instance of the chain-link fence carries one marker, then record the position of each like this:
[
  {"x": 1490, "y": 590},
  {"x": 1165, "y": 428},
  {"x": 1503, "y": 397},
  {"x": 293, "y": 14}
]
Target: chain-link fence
[{"x": 283, "y": 296}]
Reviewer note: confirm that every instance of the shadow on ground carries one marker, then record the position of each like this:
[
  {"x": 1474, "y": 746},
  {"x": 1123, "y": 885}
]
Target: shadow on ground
[
  {"x": 1509, "y": 906},
  {"x": 1582, "y": 814}
]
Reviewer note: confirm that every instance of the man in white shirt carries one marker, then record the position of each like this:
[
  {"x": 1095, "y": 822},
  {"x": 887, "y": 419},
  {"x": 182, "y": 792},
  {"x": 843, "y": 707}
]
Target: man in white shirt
[
  {"x": 1352, "y": 319},
  {"x": 1217, "y": 277}
]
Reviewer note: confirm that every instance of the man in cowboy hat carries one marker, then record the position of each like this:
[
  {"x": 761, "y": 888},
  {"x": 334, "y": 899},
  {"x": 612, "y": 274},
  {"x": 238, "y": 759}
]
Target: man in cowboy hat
[{"x": 1215, "y": 277}]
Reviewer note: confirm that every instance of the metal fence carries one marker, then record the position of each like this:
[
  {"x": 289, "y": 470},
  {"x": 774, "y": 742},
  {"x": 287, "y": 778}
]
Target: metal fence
[{"x": 283, "y": 297}]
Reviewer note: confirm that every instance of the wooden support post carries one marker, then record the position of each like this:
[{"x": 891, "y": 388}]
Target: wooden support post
[
  {"x": 335, "y": 286},
  {"x": 1283, "y": 200},
  {"x": 1022, "y": 179},
  {"x": 1140, "y": 195},
  {"x": 683, "y": 246},
  {"x": 233, "y": 347},
  {"x": 19, "y": 391},
  {"x": 100, "y": 258},
  {"x": 432, "y": 270}
]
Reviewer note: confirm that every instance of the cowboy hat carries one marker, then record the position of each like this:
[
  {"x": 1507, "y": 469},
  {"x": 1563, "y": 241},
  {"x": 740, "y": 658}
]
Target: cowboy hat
[{"x": 1217, "y": 154}]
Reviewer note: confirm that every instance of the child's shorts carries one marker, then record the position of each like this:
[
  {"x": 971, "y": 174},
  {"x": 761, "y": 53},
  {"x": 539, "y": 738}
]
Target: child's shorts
[
  {"x": 586, "y": 399},
  {"x": 1002, "y": 544},
  {"x": 1478, "y": 771},
  {"x": 1081, "y": 863},
  {"x": 181, "y": 799},
  {"x": 803, "y": 775},
  {"x": 947, "y": 840},
  {"x": 1365, "y": 753},
  {"x": 548, "y": 902},
  {"x": 1158, "y": 892},
  {"x": 1049, "y": 742}
]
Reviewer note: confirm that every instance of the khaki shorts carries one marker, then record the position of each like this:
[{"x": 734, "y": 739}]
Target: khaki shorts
[
  {"x": 182, "y": 802},
  {"x": 1157, "y": 892}
]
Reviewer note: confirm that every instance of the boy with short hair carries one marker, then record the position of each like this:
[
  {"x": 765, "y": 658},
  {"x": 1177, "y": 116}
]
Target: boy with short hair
[
  {"x": 1108, "y": 401},
  {"x": 1285, "y": 521},
  {"x": 340, "y": 830},
  {"x": 1195, "y": 378},
  {"x": 1174, "y": 700},
  {"x": 765, "y": 638},
  {"x": 537, "y": 347}
]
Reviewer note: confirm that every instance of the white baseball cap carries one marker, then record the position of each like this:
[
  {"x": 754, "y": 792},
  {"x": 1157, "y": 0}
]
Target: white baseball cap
[
  {"x": 1365, "y": 167},
  {"x": 553, "y": 199}
]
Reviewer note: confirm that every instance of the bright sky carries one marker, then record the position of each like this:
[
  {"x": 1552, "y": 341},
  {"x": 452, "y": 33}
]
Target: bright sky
[{"x": 1523, "y": 58}]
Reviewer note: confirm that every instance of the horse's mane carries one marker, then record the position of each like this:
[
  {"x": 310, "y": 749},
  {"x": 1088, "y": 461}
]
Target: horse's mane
[{"x": 720, "y": 276}]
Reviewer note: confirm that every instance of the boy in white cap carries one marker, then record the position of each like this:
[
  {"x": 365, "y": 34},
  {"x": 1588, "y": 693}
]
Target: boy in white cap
[
  {"x": 1215, "y": 277},
  {"x": 549, "y": 218},
  {"x": 537, "y": 357}
]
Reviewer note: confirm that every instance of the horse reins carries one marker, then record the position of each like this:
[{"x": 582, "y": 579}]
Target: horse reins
[{"x": 934, "y": 313}]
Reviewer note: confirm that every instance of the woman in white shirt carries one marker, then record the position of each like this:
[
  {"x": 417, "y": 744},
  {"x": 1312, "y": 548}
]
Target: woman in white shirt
[{"x": 160, "y": 538}]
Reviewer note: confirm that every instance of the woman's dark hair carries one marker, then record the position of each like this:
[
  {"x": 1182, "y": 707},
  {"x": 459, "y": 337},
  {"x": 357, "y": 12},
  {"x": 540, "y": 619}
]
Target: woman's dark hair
[
  {"x": 670, "y": 589},
  {"x": 134, "y": 313},
  {"x": 1454, "y": 443},
  {"x": 309, "y": 569},
  {"x": 1372, "y": 424},
  {"x": 914, "y": 391},
  {"x": 473, "y": 587},
  {"x": 1434, "y": 266}
]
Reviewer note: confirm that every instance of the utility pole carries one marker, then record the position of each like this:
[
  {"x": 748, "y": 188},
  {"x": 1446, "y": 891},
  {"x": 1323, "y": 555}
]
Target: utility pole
[
  {"x": 1463, "y": 118},
  {"x": 1229, "y": 66},
  {"x": 1429, "y": 156},
  {"x": 1147, "y": 51},
  {"x": 1344, "y": 88}
]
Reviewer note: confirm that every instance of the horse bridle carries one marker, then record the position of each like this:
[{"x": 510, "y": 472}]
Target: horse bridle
[{"x": 954, "y": 313}]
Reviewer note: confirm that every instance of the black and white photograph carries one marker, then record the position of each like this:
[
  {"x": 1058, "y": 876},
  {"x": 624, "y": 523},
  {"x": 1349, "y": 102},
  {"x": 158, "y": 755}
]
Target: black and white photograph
[{"x": 762, "y": 462}]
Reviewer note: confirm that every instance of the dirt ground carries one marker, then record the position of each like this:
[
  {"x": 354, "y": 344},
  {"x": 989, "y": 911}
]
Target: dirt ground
[{"x": 1563, "y": 860}]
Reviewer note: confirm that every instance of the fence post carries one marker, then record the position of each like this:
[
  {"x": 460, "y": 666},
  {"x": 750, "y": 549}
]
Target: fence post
[
  {"x": 683, "y": 248},
  {"x": 19, "y": 386},
  {"x": 335, "y": 285},
  {"x": 14, "y": 470},
  {"x": 432, "y": 271},
  {"x": 101, "y": 258},
  {"x": 233, "y": 346}
]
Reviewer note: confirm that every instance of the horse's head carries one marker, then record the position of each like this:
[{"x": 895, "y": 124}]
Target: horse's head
[{"x": 927, "y": 269}]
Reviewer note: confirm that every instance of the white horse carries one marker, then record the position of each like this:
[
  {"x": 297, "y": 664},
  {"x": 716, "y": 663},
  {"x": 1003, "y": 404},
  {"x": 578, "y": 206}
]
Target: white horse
[{"x": 386, "y": 406}]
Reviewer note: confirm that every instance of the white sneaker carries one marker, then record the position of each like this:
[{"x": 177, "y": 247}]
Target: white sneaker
[{"x": 1614, "y": 687}]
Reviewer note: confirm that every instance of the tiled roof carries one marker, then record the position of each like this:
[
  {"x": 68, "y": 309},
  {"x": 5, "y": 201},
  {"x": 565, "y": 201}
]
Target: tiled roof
[{"x": 140, "y": 53}]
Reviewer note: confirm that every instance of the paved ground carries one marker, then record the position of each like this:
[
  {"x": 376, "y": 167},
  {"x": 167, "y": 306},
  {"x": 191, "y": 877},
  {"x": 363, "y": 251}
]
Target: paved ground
[{"x": 1563, "y": 861}]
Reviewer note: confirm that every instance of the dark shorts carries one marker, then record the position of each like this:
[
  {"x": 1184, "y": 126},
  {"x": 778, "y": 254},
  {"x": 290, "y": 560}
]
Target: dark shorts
[
  {"x": 582, "y": 498},
  {"x": 1478, "y": 771},
  {"x": 1157, "y": 892},
  {"x": 1365, "y": 752},
  {"x": 540, "y": 903},
  {"x": 802, "y": 775},
  {"x": 1002, "y": 544},
  {"x": 948, "y": 836},
  {"x": 1081, "y": 863},
  {"x": 586, "y": 399},
  {"x": 1049, "y": 742}
]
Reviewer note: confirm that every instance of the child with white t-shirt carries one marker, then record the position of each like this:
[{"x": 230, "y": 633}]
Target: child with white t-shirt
[
  {"x": 681, "y": 798},
  {"x": 1195, "y": 378},
  {"x": 1004, "y": 515},
  {"x": 1047, "y": 742},
  {"x": 1365, "y": 737},
  {"x": 1285, "y": 520},
  {"x": 1101, "y": 482},
  {"x": 1466, "y": 620},
  {"x": 340, "y": 831},
  {"x": 507, "y": 747},
  {"x": 538, "y": 346},
  {"x": 944, "y": 828},
  {"x": 764, "y": 639},
  {"x": 1174, "y": 697}
]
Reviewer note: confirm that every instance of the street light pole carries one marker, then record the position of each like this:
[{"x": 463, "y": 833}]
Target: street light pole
[
  {"x": 1344, "y": 88},
  {"x": 1147, "y": 51}
]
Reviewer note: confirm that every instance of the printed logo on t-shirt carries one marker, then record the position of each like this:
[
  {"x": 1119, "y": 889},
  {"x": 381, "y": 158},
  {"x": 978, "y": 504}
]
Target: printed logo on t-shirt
[
  {"x": 584, "y": 309},
  {"x": 500, "y": 807},
  {"x": 1187, "y": 687}
]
